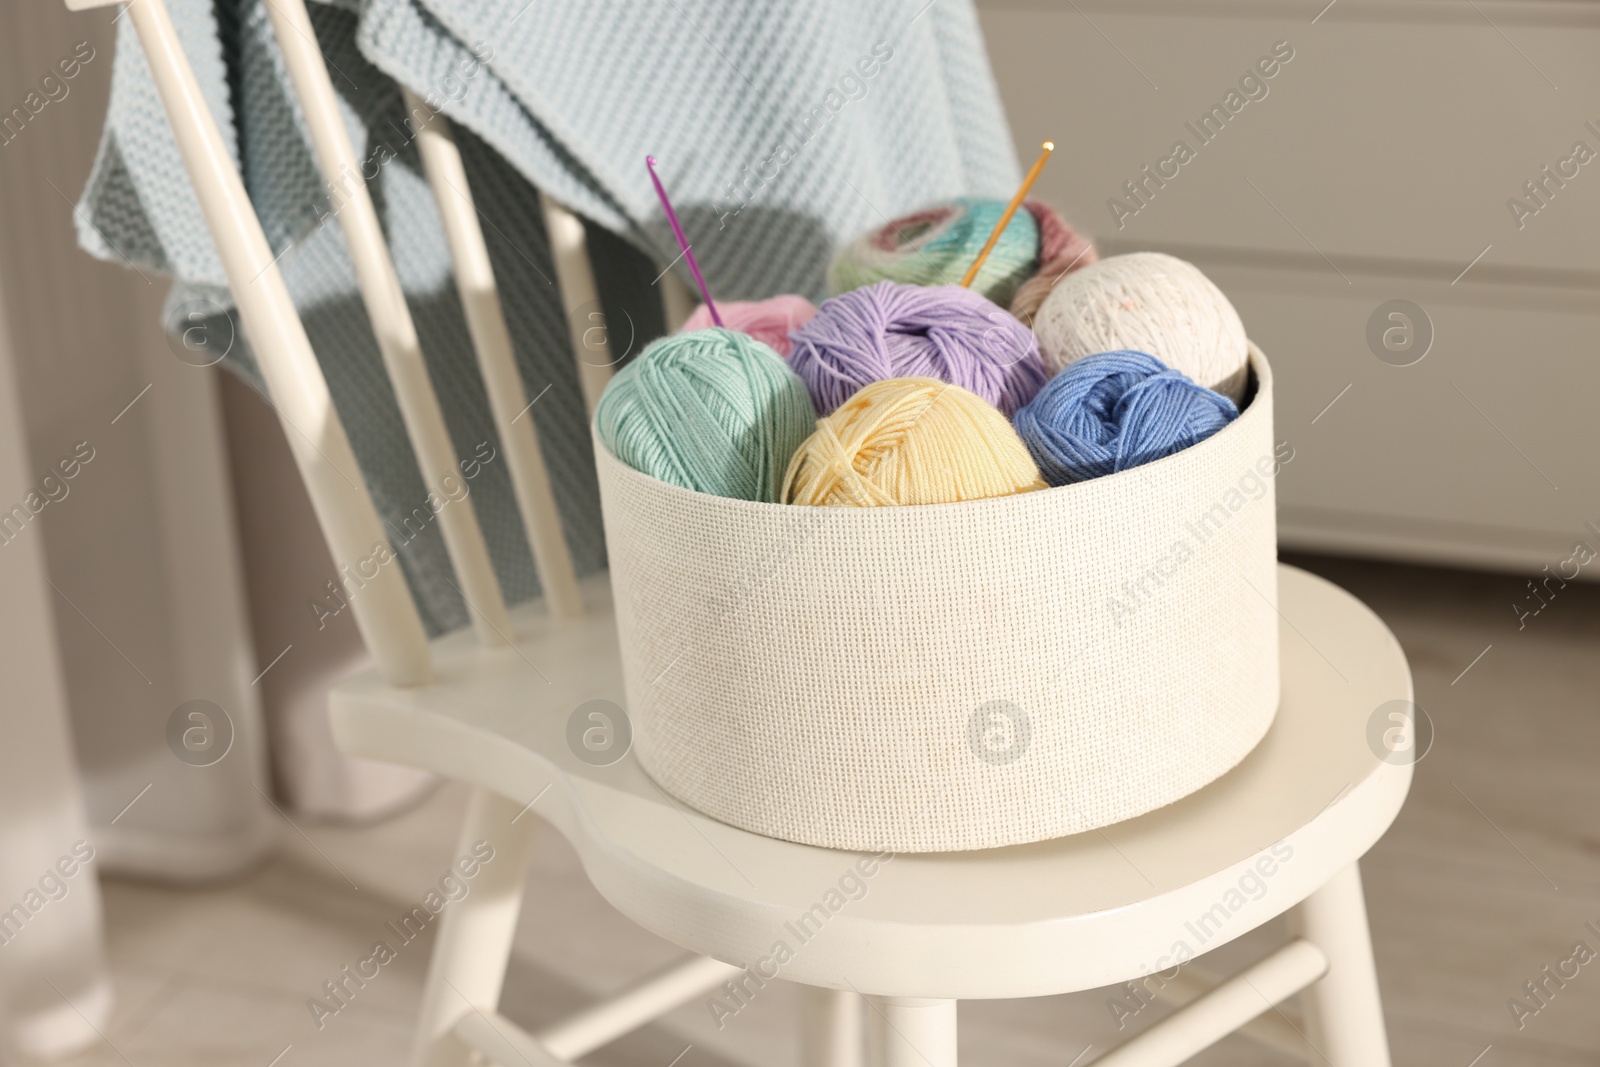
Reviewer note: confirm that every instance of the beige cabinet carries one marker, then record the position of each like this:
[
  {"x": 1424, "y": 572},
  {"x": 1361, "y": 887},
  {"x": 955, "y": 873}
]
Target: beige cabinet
[{"x": 1442, "y": 154}]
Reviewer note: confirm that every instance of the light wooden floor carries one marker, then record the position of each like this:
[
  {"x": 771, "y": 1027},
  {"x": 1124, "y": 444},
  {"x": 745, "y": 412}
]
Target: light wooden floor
[{"x": 1489, "y": 875}]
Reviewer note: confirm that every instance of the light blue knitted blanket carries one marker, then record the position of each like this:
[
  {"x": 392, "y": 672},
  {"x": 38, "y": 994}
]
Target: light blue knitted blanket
[{"x": 782, "y": 130}]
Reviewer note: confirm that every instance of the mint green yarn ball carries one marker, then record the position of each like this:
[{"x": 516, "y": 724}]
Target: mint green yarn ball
[
  {"x": 710, "y": 410},
  {"x": 936, "y": 245}
]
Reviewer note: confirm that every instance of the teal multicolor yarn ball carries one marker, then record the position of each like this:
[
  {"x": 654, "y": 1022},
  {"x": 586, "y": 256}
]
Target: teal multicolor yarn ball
[
  {"x": 711, "y": 410},
  {"x": 936, "y": 245}
]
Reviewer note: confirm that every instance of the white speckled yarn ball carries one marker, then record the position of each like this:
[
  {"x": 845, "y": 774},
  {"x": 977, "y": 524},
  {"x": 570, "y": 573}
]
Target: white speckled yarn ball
[{"x": 1149, "y": 302}]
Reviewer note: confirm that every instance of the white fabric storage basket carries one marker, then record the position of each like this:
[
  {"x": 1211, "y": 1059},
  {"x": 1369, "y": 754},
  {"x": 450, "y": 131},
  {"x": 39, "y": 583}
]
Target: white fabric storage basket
[{"x": 953, "y": 676}]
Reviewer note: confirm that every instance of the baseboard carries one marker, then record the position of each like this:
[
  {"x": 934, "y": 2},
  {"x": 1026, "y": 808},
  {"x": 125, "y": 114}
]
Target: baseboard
[
  {"x": 1439, "y": 544},
  {"x": 183, "y": 858}
]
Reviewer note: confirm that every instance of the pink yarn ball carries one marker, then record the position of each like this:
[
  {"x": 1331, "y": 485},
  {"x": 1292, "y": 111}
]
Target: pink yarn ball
[
  {"x": 1061, "y": 251},
  {"x": 768, "y": 321}
]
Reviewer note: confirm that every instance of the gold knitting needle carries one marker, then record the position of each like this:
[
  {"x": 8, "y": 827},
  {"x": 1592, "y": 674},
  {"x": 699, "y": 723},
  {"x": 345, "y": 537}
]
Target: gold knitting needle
[{"x": 1011, "y": 209}]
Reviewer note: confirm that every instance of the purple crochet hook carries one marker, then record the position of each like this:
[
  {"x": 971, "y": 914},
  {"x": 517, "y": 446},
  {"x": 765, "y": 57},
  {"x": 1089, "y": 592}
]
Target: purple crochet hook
[{"x": 683, "y": 242}]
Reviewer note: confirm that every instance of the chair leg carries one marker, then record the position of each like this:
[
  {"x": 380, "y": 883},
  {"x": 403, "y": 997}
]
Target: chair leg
[
  {"x": 1344, "y": 1015},
  {"x": 830, "y": 1028},
  {"x": 473, "y": 943},
  {"x": 913, "y": 1032}
]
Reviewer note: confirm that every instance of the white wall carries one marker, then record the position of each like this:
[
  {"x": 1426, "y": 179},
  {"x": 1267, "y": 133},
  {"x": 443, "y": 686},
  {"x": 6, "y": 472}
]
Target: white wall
[
  {"x": 54, "y": 989},
  {"x": 149, "y": 612}
]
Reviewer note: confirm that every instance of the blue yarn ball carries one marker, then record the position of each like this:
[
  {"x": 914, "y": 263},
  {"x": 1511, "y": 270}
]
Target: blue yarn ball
[{"x": 1116, "y": 410}]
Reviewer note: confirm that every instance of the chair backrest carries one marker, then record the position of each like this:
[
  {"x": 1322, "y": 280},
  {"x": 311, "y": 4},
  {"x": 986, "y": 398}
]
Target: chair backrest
[{"x": 385, "y": 612}]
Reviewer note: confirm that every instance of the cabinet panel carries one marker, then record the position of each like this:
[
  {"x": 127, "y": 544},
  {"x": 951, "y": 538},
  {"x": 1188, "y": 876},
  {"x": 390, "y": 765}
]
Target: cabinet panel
[
  {"x": 1374, "y": 165},
  {"x": 1398, "y": 130},
  {"x": 1482, "y": 452}
]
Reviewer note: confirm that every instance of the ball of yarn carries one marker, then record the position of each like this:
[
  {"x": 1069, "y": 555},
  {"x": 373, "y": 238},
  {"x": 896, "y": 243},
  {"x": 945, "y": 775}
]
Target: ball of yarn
[
  {"x": 1148, "y": 302},
  {"x": 887, "y": 330},
  {"x": 714, "y": 411},
  {"x": 910, "y": 441},
  {"x": 1062, "y": 250},
  {"x": 1116, "y": 410},
  {"x": 768, "y": 321},
  {"x": 936, "y": 245}
]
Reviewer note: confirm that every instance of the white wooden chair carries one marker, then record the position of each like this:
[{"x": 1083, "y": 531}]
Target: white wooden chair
[{"x": 1281, "y": 833}]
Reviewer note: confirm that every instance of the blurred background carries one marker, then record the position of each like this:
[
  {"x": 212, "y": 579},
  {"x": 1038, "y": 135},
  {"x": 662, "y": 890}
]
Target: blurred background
[{"x": 1406, "y": 225}]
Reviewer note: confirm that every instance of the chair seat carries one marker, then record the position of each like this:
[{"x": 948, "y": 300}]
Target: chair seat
[{"x": 1029, "y": 920}]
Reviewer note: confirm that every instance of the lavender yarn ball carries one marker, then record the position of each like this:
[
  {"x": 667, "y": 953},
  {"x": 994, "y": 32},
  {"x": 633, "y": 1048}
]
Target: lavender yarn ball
[
  {"x": 1116, "y": 410},
  {"x": 888, "y": 330}
]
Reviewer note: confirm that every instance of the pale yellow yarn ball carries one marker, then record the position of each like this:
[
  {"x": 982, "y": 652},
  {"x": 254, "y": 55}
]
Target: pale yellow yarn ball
[{"x": 910, "y": 441}]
